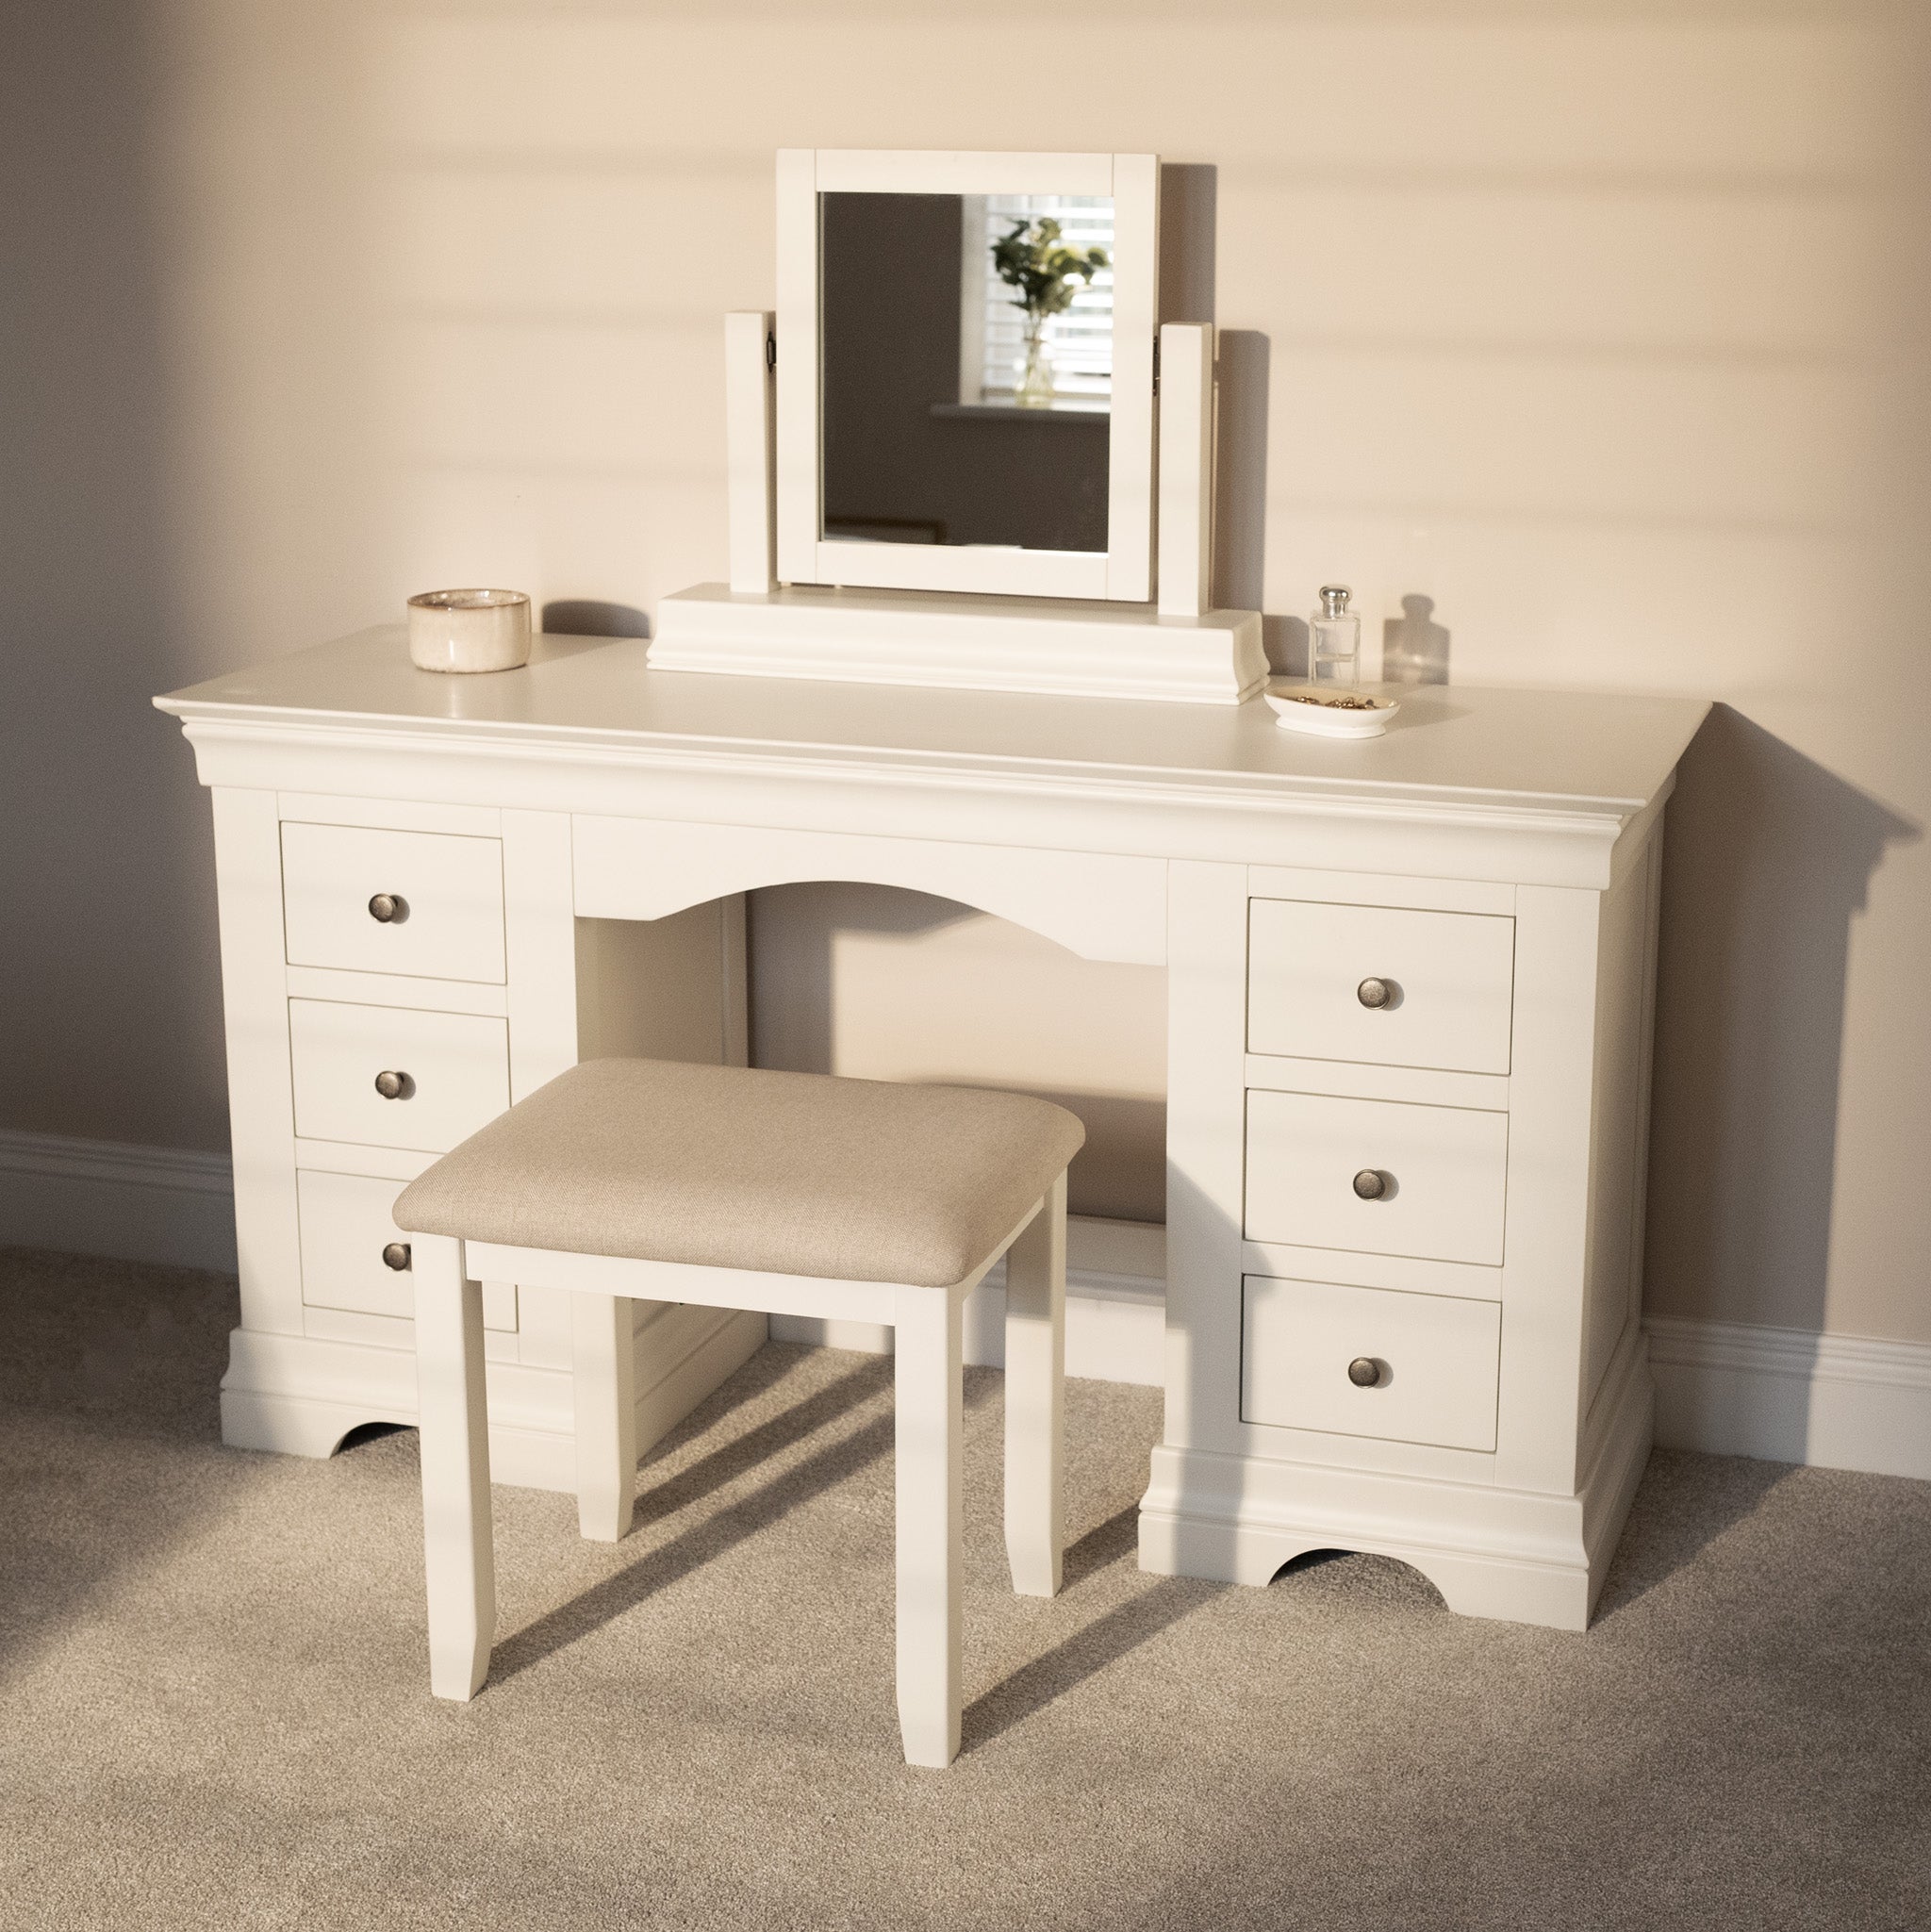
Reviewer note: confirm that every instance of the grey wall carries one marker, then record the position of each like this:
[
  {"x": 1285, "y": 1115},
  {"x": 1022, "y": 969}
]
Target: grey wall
[
  {"x": 1597, "y": 329},
  {"x": 109, "y": 1008}
]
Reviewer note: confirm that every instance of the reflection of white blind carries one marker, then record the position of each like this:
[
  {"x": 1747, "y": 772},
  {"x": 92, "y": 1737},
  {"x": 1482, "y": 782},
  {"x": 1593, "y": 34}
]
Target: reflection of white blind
[{"x": 1081, "y": 339}]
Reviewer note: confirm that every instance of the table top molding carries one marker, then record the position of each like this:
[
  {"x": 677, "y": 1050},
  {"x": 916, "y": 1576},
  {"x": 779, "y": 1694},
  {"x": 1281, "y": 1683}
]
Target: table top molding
[{"x": 1471, "y": 784}]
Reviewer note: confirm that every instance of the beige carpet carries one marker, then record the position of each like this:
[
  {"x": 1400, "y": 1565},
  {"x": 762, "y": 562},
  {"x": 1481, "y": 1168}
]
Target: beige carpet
[{"x": 214, "y": 1713}]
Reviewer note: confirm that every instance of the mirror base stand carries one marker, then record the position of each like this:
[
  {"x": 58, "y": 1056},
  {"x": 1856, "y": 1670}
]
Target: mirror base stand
[{"x": 1045, "y": 646}]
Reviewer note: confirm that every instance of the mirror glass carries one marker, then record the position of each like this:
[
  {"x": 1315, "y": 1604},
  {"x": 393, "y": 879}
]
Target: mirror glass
[{"x": 967, "y": 369}]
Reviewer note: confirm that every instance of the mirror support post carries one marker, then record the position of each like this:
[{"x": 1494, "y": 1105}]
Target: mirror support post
[
  {"x": 750, "y": 435},
  {"x": 1186, "y": 469}
]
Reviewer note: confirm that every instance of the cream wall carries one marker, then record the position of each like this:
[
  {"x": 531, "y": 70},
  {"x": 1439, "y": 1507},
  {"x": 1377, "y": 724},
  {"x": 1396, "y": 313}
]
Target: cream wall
[{"x": 1600, "y": 329}]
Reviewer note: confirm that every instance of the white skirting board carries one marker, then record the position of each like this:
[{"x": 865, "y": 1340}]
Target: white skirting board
[
  {"x": 1834, "y": 1401},
  {"x": 1727, "y": 1388},
  {"x": 130, "y": 1203},
  {"x": 300, "y": 1396}
]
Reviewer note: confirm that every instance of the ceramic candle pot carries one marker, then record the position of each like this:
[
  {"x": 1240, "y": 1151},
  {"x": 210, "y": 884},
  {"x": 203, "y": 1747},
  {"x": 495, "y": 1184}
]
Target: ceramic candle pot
[{"x": 470, "y": 630}]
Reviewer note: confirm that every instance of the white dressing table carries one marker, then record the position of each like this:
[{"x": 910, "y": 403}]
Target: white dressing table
[{"x": 1443, "y": 1363}]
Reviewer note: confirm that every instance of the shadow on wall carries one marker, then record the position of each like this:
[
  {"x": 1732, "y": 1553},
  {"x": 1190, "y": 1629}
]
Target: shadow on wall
[
  {"x": 1189, "y": 199},
  {"x": 943, "y": 1025},
  {"x": 585, "y": 616},
  {"x": 1240, "y": 498},
  {"x": 1415, "y": 648},
  {"x": 1766, "y": 862},
  {"x": 1240, "y": 469},
  {"x": 801, "y": 1041},
  {"x": 118, "y": 837}
]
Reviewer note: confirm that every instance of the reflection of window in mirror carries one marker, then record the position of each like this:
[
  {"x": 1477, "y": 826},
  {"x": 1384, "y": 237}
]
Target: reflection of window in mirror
[
  {"x": 930, "y": 433},
  {"x": 1007, "y": 355}
]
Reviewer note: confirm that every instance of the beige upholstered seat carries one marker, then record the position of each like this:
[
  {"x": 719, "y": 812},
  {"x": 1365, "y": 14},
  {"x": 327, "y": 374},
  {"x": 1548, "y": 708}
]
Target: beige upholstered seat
[{"x": 735, "y": 1168}]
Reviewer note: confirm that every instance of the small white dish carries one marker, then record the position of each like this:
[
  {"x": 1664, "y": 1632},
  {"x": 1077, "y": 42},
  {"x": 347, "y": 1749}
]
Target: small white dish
[{"x": 1328, "y": 711}]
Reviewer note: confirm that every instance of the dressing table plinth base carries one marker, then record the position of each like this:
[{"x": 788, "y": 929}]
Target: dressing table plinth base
[
  {"x": 1516, "y": 1555},
  {"x": 301, "y": 1395}
]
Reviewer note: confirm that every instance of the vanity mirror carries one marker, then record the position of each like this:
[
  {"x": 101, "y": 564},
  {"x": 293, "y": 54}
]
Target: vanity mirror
[
  {"x": 967, "y": 401},
  {"x": 942, "y": 442}
]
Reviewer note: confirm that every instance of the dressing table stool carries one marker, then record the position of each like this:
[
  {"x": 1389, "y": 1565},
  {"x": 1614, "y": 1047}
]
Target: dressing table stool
[{"x": 784, "y": 1192}]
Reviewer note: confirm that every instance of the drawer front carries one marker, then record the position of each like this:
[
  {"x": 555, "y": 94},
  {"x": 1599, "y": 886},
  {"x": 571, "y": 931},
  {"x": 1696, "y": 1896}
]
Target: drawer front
[
  {"x": 1448, "y": 979},
  {"x": 448, "y": 924},
  {"x": 346, "y": 1225},
  {"x": 455, "y": 1069},
  {"x": 1436, "y": 1359},
  {"x": 1442, "y": 1171}
]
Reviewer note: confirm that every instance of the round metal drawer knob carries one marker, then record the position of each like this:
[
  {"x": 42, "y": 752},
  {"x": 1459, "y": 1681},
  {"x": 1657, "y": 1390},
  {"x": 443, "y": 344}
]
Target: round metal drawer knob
[
  {"x": 1364, "y": 1371},
  {"x": 393, "y": 1085},
  {"x": 1375, "y": 994},
  {"x": 396, "y": 1256},
  {"x": 1371, "y": 1184},
  {"x": 388, "y": 908}
]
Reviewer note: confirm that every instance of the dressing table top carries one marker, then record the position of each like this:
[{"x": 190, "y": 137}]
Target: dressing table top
[{"x": 1594, "y": 754}]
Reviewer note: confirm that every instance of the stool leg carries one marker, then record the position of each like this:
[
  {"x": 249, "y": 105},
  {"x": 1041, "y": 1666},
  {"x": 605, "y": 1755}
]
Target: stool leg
[
  {"x": 603, "y": 1391},
  {"x": 931, "y": 1475},
  {"x": 1036, "y": 1397},
  {"x": 458, "y": 1549}
]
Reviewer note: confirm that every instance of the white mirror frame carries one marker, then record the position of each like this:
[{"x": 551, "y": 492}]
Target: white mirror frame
[{"x": 1123, "y": 573}]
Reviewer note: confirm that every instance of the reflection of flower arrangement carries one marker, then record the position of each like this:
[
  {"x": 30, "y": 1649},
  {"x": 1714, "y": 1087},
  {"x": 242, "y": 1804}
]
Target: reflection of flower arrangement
[{"x": 1033, "y": 259}]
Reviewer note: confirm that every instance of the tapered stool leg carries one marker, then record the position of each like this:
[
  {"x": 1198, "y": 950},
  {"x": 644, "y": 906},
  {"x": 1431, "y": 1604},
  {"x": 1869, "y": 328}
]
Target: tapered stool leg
[
  {"x": 931, "y": 1476},
  {"x": 458, "y": 1548},
  {"x": 1036, "y": 1397},
  {"x": 603, "y": 1395}
]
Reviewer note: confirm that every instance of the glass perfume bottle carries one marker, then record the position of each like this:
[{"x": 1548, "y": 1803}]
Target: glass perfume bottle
[{"x": 1334, "y": 639}]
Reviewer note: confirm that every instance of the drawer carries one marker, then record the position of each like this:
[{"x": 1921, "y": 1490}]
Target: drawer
[
  {"x": 448, "y": 923},
  {"x": 455, "y": 1069},
  {"x": 1448, "y": 978},
  {"x": 1438, "y": 1358},
  {"x": 346, "y": 1225},
  {"x": 1441, "y": 1170}
]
